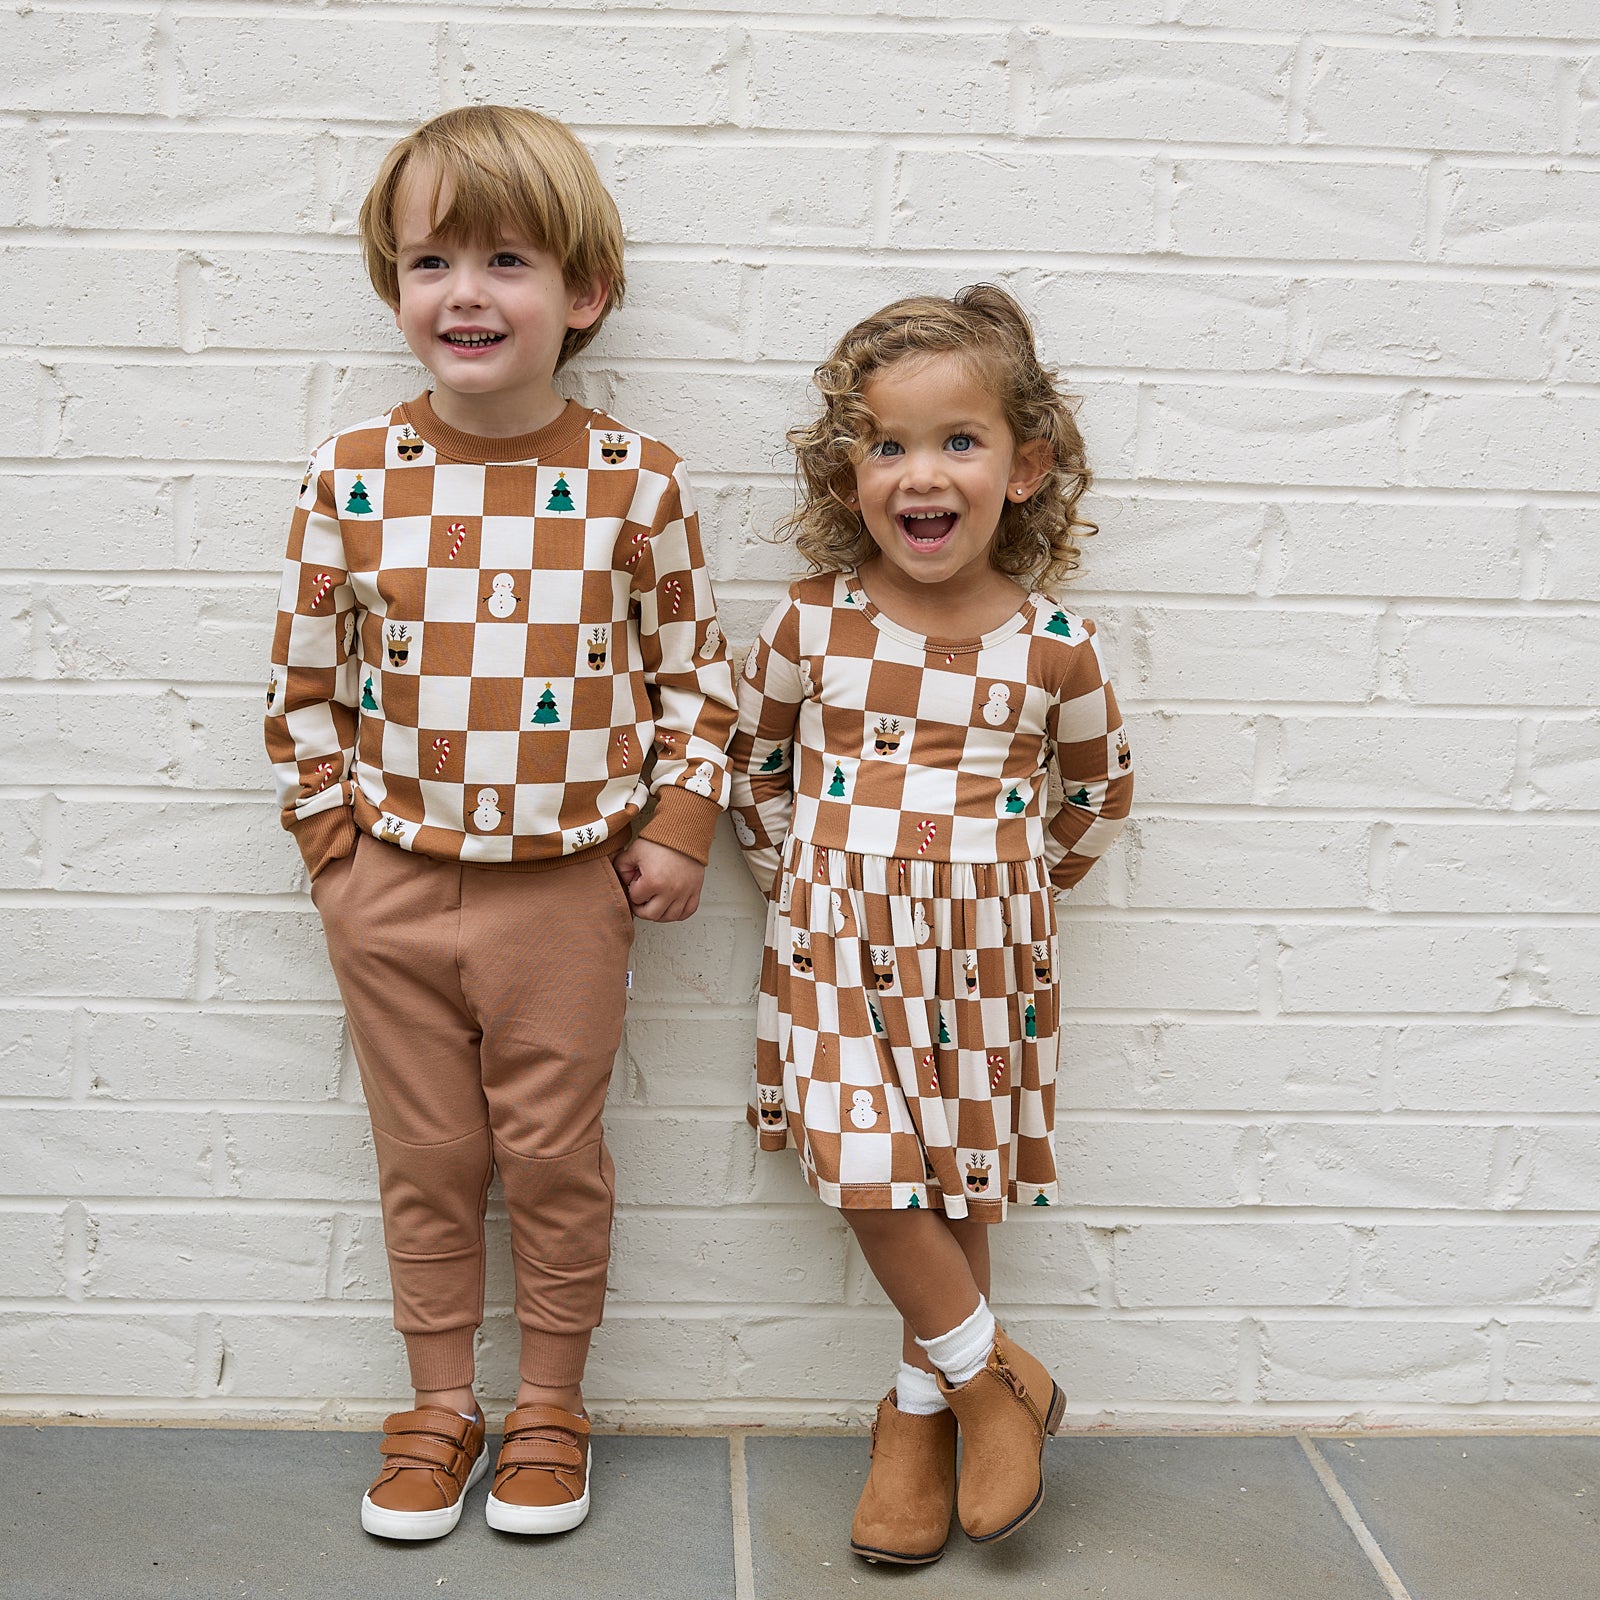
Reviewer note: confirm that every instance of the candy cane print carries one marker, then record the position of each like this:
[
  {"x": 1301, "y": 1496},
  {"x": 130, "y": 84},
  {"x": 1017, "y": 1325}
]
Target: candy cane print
[
  {"x": 457, "y": 532},
  {"x": 674, "y": 592},
  {"x": 997, "y": 1069},
  {"x": 442, "y": 745},
  {"x": 640, "y": 540},
  {"x": 625, "y": 744},
  {"x": 324, "y": 775},
  {"x": 324, "y": 584},
  {"x": 933, "y": 1076},
  {"x": 927, "y": 829}
]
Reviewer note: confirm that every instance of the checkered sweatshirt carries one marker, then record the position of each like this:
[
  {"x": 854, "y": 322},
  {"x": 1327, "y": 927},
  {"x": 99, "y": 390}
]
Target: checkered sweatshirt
[
  {"x": 860, "y": 735},
  {"x": 481, "y": 642}
]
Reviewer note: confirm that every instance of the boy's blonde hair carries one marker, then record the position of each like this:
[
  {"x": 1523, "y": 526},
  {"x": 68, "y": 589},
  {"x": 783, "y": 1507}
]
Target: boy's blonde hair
[
  {"x": 507, "y": 170},
  {"x": 991, "y": 333}
]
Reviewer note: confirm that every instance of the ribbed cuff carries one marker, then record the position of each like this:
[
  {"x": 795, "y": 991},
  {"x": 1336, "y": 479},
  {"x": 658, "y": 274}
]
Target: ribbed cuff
[
  {"x": 441, "y": 1360},
  {"x": 683, "y": 822},
  {"x": 553, "y": 1360},
  {"x": 325, "y": 837}
]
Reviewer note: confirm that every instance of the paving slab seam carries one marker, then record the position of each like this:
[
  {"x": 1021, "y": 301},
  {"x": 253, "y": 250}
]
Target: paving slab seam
[
  {"x": 1387, "y": 1576},
  {"x": 744, "y": 1566}
]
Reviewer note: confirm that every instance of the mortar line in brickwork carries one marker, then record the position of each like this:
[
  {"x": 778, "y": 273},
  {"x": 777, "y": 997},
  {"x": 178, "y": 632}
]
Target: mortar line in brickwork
[
  {"x": 744, "y": 1584},
  {"x": 1387, "y": 1576},
  {"x": 854, "y": 256}
]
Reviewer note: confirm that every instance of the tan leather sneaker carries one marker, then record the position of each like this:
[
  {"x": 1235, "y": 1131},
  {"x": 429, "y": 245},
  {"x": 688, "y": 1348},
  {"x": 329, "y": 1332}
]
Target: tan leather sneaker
[
  {"x": 541, "y": 1480},
  {"x": 431, "y": 1457},
  {"x": 1006, "y": 1413},
  {"x": 904, "y": 1511}
]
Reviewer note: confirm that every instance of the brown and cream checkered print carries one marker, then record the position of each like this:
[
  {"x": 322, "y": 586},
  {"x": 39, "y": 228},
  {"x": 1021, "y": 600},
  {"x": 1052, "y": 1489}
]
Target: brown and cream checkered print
[
  {"x": 893, "y": 794},
  {"x": 482, "y": 642}
]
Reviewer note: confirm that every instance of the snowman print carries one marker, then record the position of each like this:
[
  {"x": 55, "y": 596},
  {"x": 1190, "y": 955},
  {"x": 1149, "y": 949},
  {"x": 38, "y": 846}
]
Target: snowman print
[
  {"x": 750, "y": 662},
  {"x": 487, "y": 816},
  {"x": 997, "y": 711},
  {"x": 700, "y": 783},
  {"x": 503, "y": 601},
  {"x": 785, "y": 888},
  {"x": 862, "y": 1112},
  {"x": 713, "y": 638},
  {"x": 838, "y": 910},
  {"x": 919, "y": 924},
  {"x": 742, "y": 831}
]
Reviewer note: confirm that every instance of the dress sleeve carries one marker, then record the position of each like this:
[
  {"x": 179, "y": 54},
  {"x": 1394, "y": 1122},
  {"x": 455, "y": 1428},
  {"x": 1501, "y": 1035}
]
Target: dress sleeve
[
  {"x": 1093, "y": 762},
  {"x": 762, "y": 753},
  {"x": 686, "y": 673},
  {"x": 312, "y": 692}
]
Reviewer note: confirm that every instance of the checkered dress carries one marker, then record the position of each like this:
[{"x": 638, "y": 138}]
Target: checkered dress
[
  {"x": 893, "y": 795},
  {"x": 481, "y": 642}
]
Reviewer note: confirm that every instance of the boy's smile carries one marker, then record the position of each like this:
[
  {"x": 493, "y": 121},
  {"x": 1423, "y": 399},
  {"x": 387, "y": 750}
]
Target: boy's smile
[{"x": 487, "y": 320}]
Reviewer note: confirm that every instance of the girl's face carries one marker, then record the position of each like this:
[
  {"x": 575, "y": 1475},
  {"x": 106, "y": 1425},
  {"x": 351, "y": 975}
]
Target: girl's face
[{"x": 939, "y": 468}]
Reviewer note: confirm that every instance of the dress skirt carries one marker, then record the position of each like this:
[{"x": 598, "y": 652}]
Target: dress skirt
[{"x": 906, "y": 1030}]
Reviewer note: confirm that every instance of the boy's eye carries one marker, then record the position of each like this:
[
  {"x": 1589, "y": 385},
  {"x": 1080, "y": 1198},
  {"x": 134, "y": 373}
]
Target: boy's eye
[
  {"x": 962, "y": 442},
  {"x": 505, "y": 258}
]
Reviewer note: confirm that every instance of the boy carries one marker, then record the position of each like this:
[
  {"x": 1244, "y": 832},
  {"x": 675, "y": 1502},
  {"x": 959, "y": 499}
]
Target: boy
[{"x": 494, "y": 615}]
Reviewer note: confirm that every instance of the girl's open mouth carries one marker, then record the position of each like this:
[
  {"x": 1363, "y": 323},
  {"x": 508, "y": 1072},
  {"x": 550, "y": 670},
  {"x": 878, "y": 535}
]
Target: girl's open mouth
[{"x": 927, "y": 527}]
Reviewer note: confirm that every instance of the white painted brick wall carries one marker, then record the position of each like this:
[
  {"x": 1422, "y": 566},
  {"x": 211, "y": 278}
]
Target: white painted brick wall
[{"x": 1325, "y": 276}]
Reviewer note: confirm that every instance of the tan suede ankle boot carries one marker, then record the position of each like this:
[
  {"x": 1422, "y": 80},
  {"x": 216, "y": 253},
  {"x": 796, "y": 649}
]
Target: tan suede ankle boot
[
  {"x": 1006, "y": 1413},
  {"x": 904, "y": 1512}
]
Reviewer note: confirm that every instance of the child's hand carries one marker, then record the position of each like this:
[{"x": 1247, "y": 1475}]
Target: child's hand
[{"x": 662, "y": 885}]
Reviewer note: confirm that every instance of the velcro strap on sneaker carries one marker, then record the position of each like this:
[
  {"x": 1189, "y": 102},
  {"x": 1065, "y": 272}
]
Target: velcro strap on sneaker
[
  {"x": 424, "y": 1450},
  {"x": 436, "y": 1420},
  {"x": 541, "y": 1451},
  {"x": 526, "y": 1417}
]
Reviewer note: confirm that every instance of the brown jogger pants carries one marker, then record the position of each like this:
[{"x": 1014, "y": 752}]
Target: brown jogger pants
[{"x": 485, "y": 1009}]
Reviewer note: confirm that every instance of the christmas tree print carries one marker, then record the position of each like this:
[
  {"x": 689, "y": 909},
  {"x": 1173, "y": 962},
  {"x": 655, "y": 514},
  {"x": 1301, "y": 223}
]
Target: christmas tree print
[
  {"x": 358, "y": 501},
  {"x": 1081, "y": 798},
  {"x": 1059, "y": 624},
  {"x": 1030, "y": 1022},
  {"x": 367, "y": 702},
  {"x": 561, "y": 495},
  {"x": 944, "y": 1032},
  {"x": 877, "y": 1021},
  {"x": 913, "y": 1204},
  {"x": 1014, "y": 805},
  {"x": 774, "y": 762},
  {"x": 545, "y": 712},
  {"x": 836, "y": 788},
  {"x": 1039, "y": 1200}
]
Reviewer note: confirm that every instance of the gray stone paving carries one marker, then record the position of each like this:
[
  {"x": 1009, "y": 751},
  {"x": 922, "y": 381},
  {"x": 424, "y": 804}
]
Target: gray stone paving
[{"x": 115, "y": 1513}]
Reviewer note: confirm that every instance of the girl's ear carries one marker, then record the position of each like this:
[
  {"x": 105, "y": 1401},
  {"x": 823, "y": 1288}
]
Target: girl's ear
[
  {"x": 586, "y": 304},
  {"x": 1030, "y": 465}
]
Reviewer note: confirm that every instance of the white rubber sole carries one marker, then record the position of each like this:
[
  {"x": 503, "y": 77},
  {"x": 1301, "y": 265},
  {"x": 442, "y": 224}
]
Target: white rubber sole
[
  {"x": 389, "y": 1524},
  {"x": 507, "y": 1518}
]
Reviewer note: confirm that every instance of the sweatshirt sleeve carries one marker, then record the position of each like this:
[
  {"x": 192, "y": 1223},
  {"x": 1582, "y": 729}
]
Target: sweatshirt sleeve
[
  {"x": 687, "y": 676},
  {"x": 762, "y": 754},
  {"x": 1093, "y": 762},
  {"x": 311, "y": 688}
]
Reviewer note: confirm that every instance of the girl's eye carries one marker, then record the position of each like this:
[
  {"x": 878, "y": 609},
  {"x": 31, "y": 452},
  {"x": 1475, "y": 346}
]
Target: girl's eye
[
  {"x": 962, "y": 442},
  {"x": 886, "y": 447},
  {"x": 427, "y": 263}
]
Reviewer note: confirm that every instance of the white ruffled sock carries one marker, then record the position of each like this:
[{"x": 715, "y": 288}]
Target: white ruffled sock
[
  {"x": 917, "y": 1392},
  {"x": 961, "y": 1353}
]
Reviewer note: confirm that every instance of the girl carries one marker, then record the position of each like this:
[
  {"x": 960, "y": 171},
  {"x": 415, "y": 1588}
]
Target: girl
[{"x": 898, "y": 718}]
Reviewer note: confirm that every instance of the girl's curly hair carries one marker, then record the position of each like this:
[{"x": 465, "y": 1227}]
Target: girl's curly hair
[{"x": 1035, "y": 541}]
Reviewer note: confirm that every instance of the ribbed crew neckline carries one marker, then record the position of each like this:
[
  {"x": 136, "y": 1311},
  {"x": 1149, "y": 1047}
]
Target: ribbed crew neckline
[{"x": 473, "y": 447}]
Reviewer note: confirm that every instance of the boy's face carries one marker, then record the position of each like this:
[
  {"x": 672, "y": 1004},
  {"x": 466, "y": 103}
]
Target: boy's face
[{"x": 486, "y": 320}]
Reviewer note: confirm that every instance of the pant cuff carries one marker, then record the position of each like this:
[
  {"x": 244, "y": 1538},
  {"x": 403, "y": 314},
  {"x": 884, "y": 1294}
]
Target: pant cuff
[
  {"x": 553, "y": 1360},
  {"x": 441, "y": 1360}
]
